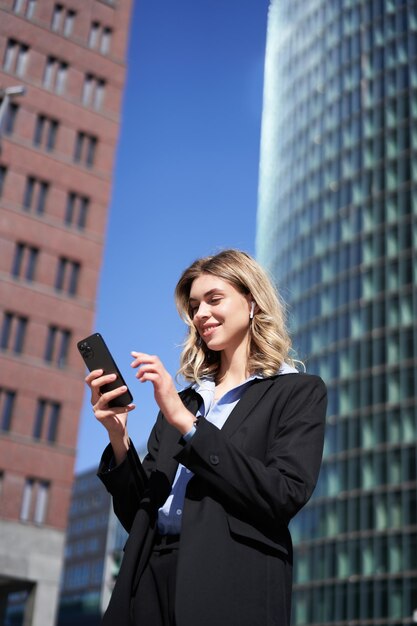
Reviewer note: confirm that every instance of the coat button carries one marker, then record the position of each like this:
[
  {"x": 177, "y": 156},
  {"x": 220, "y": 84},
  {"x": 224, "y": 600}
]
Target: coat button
[{"x": 214, "y": 459}]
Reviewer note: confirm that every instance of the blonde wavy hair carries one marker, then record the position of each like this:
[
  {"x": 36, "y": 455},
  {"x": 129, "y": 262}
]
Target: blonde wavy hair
[{"x": 270, "y": 343}]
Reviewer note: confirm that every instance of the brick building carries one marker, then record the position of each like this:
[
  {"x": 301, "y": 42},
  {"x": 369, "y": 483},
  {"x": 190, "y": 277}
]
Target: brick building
[{"x": 58, "y": 143}]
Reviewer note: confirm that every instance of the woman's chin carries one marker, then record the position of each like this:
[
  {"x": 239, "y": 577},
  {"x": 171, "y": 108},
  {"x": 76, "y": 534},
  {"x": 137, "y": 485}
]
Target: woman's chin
[{"x": 213, "y": 346}]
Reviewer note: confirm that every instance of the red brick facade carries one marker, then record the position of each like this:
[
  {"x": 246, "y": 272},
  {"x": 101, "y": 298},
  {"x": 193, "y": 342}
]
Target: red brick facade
[{"x": 55, "y": 179}]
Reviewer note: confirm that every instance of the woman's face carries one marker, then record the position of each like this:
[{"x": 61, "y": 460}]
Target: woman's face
[{"x": 220, "y": 312}]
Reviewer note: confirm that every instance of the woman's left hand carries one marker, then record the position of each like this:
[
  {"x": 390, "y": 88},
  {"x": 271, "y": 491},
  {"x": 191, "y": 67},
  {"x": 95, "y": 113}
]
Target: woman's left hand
[{"x": 151, "y": 369}]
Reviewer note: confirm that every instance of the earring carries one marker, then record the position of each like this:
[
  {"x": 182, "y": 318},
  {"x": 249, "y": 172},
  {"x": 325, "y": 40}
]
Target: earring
[{"x": 252, "y": 310}]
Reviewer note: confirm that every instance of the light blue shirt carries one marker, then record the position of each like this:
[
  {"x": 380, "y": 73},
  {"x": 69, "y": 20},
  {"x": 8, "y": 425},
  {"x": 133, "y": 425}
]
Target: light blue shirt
[{"x": 216, "y": 412}]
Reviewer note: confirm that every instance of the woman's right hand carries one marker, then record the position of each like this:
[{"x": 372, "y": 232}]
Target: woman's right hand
[{"x": 113, "y": 418}]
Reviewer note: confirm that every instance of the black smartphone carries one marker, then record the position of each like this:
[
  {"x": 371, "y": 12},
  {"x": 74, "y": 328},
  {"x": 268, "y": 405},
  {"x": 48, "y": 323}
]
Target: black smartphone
[{"x": 96, "y": 355}]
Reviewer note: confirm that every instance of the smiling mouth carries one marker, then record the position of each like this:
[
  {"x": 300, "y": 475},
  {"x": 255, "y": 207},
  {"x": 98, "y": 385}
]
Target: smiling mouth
[{"x": 206, "y": 332}]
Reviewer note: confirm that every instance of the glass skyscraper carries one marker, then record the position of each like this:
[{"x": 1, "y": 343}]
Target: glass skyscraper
[
  {"x": 337, "y": 228},
  {"x": 93, "y": 552}
]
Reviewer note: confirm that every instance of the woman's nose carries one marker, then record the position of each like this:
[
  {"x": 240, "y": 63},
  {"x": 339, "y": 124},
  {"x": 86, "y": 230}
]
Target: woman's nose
[{"x": 202, "y": 311}]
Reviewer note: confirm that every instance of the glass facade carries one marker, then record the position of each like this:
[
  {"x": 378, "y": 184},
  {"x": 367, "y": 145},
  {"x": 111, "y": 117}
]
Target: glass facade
[
  {"x": 337, "y": 228},
  {"x": 93, "y": 552}
]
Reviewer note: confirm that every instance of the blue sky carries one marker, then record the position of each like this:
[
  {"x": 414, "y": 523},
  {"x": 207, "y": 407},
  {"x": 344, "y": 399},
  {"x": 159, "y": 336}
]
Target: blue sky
[{"x": 185, "y": 180}]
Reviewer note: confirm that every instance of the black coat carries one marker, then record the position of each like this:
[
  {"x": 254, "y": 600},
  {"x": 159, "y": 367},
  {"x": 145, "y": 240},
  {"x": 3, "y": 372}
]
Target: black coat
[{"x": 250, "y": 478}]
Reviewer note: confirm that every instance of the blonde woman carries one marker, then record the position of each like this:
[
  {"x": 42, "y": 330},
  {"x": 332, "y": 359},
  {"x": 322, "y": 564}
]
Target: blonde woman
[{"x": 231, "y": 459}]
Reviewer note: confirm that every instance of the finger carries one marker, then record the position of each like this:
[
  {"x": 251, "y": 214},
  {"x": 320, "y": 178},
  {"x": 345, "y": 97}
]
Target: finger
[
  {"x": 147, "y": 370},
  {"x": 141, "y": 358},
  {"x": 103, "y": 380},
  {"x": 115, "y": 410},
  {"x": 114, "y": 417},
  {"x": 102, "y": 413},
  {"x": 92, "y": 376},
  {"x": 148, "y": 376},
  {"x": 147, "y": 362},
  {"x": 128, "y": 408},
  {"x": 96, "y": 384},
  {"x": 105, "y": 398}
]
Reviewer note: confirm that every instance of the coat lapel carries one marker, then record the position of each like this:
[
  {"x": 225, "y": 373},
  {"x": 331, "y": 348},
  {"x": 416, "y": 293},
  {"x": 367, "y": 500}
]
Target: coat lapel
[{"x": 246, "y": 404}]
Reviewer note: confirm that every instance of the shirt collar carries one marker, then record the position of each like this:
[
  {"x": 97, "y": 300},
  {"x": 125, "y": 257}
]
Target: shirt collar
[
  {"x": 206, "y": 388},
  {"x": 207, "y": 384},
  {"x": 287, "y": 369}
]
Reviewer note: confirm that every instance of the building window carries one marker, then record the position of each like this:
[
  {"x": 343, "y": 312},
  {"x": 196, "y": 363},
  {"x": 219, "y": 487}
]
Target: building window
[
  {"x": 93, "y": 91},
  {"x": 105, "y": 43},
  {"x": 30, "y": 9},
  {"x": 67, "y": 276},
  {"x": 46, "y": 130},
  {"x": 13, "y": 332},
  {"x": 57, "y": 346},
  {"x": 69, "y": 22},
  {"x": 24, "y": 262},
  {"x": 76, "y": 211},
  {"x": 46, "y": 420},
  {"x": 100, "y": 37},
  {"x": 96, "y": 573},
  {"x": 7, "y": 399},
  {"x": 77, "y": 576},
  {"x": 35, "y": 195},
  {"x": 85, "y": 149},
  {"x": 55, "y": 75},
  {"x": 57, "y": 17},
  {"x": 94, "y": 35},
  {"x": 16, "y": 57},
  {"x": 9, "y": 120},
  {"x": 3, "y": 172},
  {"x": 63, "y": 20},
  {"x": 34, "y": 501},
  {"x": 19, "y": 7}
]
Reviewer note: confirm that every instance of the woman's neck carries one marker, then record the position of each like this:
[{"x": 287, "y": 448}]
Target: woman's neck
[{"x": 233, "y": 367}]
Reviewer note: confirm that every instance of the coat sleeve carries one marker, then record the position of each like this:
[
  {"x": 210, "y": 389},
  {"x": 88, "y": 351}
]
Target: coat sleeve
[
  {"x": 128, "y": 481},
  {"x": 135, "y": 483},
  {"x": 270, "y": 491}
]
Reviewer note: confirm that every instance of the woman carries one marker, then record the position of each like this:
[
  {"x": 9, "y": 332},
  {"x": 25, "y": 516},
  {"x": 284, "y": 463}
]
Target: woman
[{"x": 231, "y": 459}]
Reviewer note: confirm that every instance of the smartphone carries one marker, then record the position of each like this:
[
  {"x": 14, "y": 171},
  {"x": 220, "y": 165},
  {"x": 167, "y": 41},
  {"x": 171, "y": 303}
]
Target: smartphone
[{"x": 96, "y": 355}]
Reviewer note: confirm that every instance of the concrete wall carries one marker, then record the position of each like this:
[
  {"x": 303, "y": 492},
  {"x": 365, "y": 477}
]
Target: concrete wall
[{"x": 36, "y": 558}]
